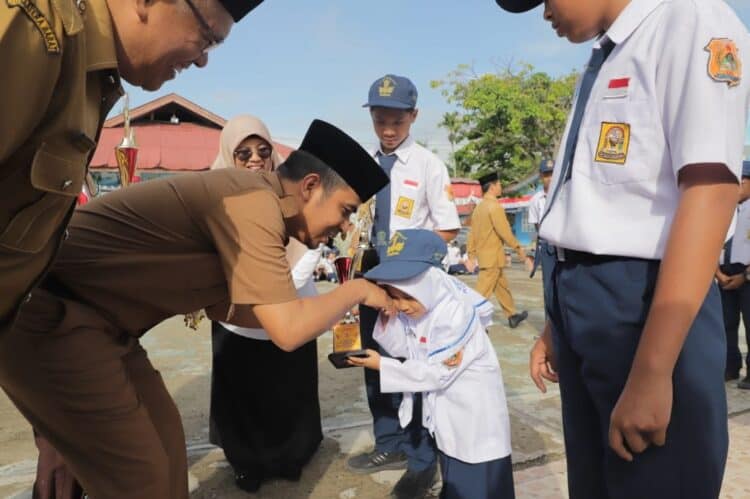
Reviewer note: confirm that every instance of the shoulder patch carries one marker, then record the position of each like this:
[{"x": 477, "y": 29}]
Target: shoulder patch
[
  {"x": 449, "y": 192},
  {"x": 724, "y": 63},
  {"x": 41, "y": 22}
]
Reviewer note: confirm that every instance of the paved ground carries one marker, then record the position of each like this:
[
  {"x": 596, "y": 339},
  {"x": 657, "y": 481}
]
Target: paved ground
[{"x": 183, "y": 357}]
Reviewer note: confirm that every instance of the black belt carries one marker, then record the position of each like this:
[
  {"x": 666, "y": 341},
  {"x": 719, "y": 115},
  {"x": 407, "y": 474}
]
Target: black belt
[{"x": 575, "y": 256}]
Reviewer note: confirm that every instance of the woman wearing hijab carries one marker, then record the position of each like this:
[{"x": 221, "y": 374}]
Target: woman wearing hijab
[{"x": 268, "y": 429}]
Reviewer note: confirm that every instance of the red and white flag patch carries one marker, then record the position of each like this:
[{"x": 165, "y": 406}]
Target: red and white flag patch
[{"x": 617, "y": 88}]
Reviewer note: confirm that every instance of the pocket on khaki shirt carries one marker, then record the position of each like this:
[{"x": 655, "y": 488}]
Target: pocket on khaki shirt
[{"x": 57, "y": 174}]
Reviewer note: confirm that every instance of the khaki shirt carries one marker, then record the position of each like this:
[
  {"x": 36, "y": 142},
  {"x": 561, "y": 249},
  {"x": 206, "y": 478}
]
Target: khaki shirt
[
  {"x": 488, "y": 234},
  {"x": 175, "y": 245},
  {"x": 59, "y": 82}
]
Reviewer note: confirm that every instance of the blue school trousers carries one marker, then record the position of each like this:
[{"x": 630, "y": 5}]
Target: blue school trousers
[
  {"x": 487, "y": 480},
  {"x": 598, "y": 310},
  {"x": 414, "y": 440}
]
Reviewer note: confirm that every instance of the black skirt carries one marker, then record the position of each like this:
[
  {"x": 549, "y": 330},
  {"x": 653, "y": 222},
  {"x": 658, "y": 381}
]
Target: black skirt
[{"x": 265, "y": 412}]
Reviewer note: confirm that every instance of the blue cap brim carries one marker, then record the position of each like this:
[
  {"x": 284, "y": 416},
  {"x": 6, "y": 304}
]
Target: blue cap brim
[
  {"x": 389, "y": 104},
  {"x": 397, "y": 270}
]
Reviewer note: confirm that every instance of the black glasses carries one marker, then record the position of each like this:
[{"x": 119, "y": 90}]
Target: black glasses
[
  {"x": 212, "y": 39},
  {"x": 244, "y": 154}
]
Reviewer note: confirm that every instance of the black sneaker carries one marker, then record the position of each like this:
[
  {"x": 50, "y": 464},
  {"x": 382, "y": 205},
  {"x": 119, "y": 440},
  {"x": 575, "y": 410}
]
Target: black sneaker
[
  {"x": 415, "y": 484},
  {"x": 372, "y": 462},
  {"x": 515, "y": 319},
  {"x": 744, "y": 384}
]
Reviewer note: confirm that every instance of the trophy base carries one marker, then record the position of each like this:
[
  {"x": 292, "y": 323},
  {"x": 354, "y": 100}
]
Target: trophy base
[{"x": 338, "y": 359}]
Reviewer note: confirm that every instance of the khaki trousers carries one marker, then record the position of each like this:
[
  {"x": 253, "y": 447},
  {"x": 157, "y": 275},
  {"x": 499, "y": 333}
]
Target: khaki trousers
[
  {"x": 492, "y": 281},
  {"x": 93, "y": 393}
]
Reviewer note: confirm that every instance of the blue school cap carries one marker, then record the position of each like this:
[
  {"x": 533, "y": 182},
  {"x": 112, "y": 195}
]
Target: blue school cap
[
  {"x": 396, "y": 92},
  {"x": 746, "y": 168},
  {"x": 410, "y": 252},
  {"x": 546, "y": 166}
]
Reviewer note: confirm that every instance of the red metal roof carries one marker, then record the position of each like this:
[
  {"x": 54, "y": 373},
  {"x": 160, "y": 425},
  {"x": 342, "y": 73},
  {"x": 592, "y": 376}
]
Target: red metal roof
[{"x": 173, "y": 147}]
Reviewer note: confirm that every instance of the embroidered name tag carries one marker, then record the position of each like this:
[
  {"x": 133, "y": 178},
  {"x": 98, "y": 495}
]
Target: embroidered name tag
[
  {"x": 41, "y": 22},
  {"x": 614, "y": 140},
  {"x": 404, "y": 207}
]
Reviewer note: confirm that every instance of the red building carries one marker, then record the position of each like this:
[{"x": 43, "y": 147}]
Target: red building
[{"x": 173, "y": 136}]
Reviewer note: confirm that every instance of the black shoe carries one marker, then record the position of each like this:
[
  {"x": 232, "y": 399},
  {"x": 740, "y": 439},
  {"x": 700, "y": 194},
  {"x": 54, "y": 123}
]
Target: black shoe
[
  {"x": 415, "y": 484},
  {"x": 731, "y": 375},
  {"x": 515, "y": 319},
  {"x": 372, "y": 462},
  {"x": 246, "y": 481},
  {"x": 744, "y": 384}
]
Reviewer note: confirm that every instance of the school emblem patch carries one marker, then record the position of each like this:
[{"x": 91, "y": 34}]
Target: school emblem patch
[
  {"x": 404, "y": 207},
  {"x": 449, "y": 192},
  {"x": 724, "y": 63},
  {"x": 387, "y": 86},
  {"x": 614, "y": 140},
  {"x": 397, "y": 244}
]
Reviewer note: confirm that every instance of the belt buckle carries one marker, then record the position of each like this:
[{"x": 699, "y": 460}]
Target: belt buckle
[{"x": 560, "y": 253}]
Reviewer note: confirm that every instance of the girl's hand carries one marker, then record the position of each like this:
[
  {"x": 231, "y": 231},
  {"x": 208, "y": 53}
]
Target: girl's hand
[{"x": 372, "y": 361}]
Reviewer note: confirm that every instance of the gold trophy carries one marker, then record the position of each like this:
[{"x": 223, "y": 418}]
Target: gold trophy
[
  {"x": 127, "y": 152},
  {"x": 347, "y": 341}
]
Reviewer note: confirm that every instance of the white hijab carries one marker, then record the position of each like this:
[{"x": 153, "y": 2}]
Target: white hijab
[
  {"x": 454, "y": 311},
  {"x": 235, "y": 131}
]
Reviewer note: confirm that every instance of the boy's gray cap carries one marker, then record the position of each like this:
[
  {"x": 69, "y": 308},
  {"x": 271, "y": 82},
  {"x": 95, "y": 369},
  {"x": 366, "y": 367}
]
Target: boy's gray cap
[
  {"x": 393, "y": 91},
  {"x": 516, "y": 6}
]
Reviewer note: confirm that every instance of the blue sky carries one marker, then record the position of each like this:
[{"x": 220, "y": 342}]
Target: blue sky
[{"x": 291, "y": 61}]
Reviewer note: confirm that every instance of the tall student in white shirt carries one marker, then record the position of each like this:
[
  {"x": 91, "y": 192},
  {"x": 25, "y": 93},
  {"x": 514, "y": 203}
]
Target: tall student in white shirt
[
  {"x": 641, "y": 199},
  {"x": 419, "y": 196},
  {"x": 440, "y": 332}
]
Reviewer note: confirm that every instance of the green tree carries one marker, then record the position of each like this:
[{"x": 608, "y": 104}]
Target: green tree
[{"x": 506, "y": 120}]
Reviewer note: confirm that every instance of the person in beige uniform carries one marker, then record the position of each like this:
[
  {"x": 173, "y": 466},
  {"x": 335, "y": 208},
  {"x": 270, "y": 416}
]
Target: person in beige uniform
[
  {"x": 74, "y": 365},
  {"x": 488, "y": 235},
  {"x": 62, "y": 63}
]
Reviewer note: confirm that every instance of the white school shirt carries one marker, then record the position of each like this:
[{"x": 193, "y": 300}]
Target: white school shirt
[
  {"x": 302, "y": 277},
  {"x": 741, "y": 239},
  {"x": 655, "y": 107},
  {"x": 464, "y": 408},
  {"x": 536, "y": 207},
  {"x": 421, "y": 193}
]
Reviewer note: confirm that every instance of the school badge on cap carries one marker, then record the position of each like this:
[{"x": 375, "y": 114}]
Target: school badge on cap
[{"x": 724, "y": 63}]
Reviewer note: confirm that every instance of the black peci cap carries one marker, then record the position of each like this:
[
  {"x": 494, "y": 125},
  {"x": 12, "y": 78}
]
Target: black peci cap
[
  {"x": 517, "y": 6},
  {"x": 489, "y": 178},
  {"x": 239, "y": 8},
  {"x": 346, "y": 157}
]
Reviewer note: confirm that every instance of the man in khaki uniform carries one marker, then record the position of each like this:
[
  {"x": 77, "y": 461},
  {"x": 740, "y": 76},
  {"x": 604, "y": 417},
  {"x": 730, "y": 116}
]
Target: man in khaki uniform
[
  {"x": 61, "y": 76},
  {"x": 73, "y": 363},
  {"x": 488, "y": 235}
]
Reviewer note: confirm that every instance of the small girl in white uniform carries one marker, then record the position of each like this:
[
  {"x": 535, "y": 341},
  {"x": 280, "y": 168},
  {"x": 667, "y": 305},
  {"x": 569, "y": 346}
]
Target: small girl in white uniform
[{"x": 441, "y": 333}]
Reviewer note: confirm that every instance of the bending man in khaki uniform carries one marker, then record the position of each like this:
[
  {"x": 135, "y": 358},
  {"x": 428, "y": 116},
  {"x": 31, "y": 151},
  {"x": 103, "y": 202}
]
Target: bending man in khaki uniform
[
  {"x": 488, "y": 235},
  {"x": 61, "y": 76},
  {"x": 73, "y": 363}
]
